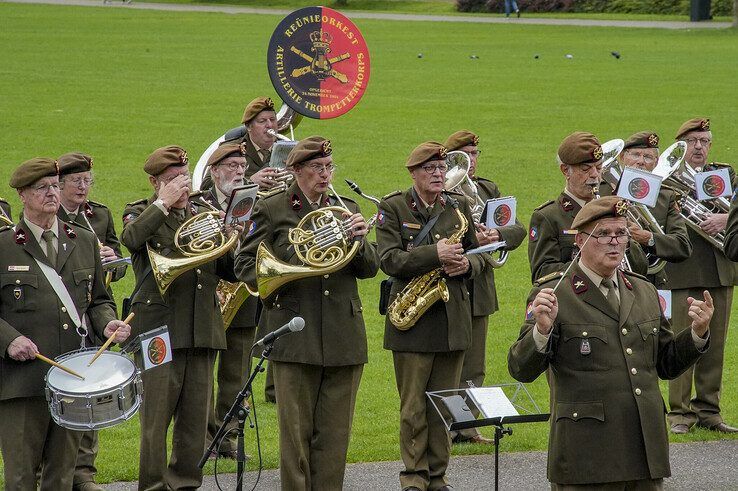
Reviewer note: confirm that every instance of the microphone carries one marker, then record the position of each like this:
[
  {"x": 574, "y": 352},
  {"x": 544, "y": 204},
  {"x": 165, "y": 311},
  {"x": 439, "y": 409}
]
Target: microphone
[{"x": 296, "y": 324}]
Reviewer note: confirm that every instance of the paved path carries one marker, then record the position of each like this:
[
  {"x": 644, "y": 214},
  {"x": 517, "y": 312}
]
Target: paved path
[
  {"x": 694, "y": 466},
  {"x": 479, "y": 19}
]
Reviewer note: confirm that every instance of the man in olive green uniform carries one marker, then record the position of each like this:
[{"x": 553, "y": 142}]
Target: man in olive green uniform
[
  {"x": 317, "y": 370},
  {"x": 551, "y": 236},
  {"x": 227, "y": 166},
  {"x": 607, "y": 344},
  {"x": 181, "y": 389},
  {"x": 641, "y": 151},
  {"x": 5, "y": 212},
  {"x": 483, "y": 291},
  {"x": 429, "y": 355},
  {"x": 75, "y": 181},
  {"x": 42, "y": 257},
  {"x": 731, "y": 231},
  {"x": 706, "y": 269}
]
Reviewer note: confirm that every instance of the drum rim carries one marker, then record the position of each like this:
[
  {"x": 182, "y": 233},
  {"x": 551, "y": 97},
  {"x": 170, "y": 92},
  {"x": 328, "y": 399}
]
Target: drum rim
[{"x": 131, "y": 378}]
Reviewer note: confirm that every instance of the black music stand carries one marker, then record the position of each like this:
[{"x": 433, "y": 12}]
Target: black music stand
[{"x": 456, "y": 408}]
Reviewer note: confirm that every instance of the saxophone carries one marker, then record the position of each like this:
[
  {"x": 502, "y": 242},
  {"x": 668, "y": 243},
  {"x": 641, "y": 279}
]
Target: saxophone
[{"x": 423, "y": 291}]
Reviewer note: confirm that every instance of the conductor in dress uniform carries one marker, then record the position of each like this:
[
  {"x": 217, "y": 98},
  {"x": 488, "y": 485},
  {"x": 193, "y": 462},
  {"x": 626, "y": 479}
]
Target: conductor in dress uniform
[
  {"x": 607, "y": 343},
  {"x": 317, "y": 370},
  {"x": 34, "y": 318}
]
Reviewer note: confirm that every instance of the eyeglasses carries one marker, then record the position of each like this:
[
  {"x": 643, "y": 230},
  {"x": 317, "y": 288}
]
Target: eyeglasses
[
  {"x": 319, "y": 168},
  {"x": 607, "y": 239},
  {"x": 475, "y": 153},
  {"x": 80, "y": 182},
  {"x": 649, "y": 159},
  {"x": 234, "y": 165},
  {"x": 432, "y": 168},
  {"x": 44, "y": 189},
  {"x": 703, "y": 141}
]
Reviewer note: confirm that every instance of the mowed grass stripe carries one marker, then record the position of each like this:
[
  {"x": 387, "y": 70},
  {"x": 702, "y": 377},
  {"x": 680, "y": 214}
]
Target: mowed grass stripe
[{"x": 117, "y": 84}]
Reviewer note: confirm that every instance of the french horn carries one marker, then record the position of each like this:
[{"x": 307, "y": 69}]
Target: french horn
[{"x": 457, "y": 179}]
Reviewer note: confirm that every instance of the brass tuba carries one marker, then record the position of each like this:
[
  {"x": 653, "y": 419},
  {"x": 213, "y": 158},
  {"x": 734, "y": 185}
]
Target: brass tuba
[
  {"x": 199, "y": 240},
  {"x": 457, "y": 179},
  {"x": 425, "y": 290},
  {"x": 678, "y": 175},
  {"x": 322, "y": 243}
]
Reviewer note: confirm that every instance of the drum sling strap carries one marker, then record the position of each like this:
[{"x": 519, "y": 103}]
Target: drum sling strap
[{"x": 61, "y": 291}]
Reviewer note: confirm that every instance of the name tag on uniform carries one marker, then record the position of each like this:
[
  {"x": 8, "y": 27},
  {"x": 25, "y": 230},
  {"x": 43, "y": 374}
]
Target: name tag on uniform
[
  {"x": 19, "y": 268},
  {"x": 569, "y": 231},
  {"x": 414, "y": 226}
]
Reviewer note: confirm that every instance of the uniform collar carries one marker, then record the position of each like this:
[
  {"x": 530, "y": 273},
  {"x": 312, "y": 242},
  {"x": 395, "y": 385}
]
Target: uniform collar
[
  {"x": 38, "y": 231},
  {"x": 578, "y": 201}
]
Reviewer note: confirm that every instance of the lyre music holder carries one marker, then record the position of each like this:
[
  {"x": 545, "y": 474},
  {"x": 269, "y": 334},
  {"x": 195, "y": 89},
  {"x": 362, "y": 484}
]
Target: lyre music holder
[{"x": 496, "y": 405}]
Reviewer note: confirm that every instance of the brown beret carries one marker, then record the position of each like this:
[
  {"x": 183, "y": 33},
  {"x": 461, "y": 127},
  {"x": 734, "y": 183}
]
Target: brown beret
[
  {"x": 606, "y": 207},
  {"x": 694, "y": 124},
  {"x": 255, "y": 107},
  {"x": 425, "y": 152},
  {"x": 227, "y": 150},
  {"x": 71, "y": 163},
  {"x": 32, "y": 170},
  {"x": 313, "y": 147},
  {"x": 580, "y": 148},
  {"x": 165, "y": 157},
  {"x": 461, "y": 139},
  {"x": 642, "y": 139}
]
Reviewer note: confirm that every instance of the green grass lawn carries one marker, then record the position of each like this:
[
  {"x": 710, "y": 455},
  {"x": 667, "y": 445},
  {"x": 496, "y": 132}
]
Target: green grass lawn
[{"x": 119, "y": 83}]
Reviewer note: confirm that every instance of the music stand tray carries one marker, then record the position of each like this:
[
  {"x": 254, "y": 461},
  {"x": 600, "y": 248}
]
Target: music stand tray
[{"x": 495, "y": 405}]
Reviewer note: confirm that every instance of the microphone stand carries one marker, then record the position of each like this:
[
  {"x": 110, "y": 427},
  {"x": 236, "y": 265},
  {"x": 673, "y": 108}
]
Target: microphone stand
[{"x": 241, "y": 413}]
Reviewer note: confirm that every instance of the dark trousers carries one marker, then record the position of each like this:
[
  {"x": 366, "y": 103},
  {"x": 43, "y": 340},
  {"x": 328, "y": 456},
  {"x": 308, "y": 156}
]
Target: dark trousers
[
  {"x": 180, "y": 391},
  {"x": 707, "y": 373},
  {"x": 29, "y": 440},
  {"x": 85, "y": 469},
  {"x": 639, "y": 485},
  {"x": 234, "y": 367},
  {"x": 425, "y": 445},
  {"x": 315, "y": 410},
  {"x": 474, "y": 367}
]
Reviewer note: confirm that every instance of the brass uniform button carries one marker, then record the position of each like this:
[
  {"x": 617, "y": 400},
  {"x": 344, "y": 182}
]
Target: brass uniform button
[
  {"x": 64, "y": 309},
  {"x": 633, "y": 371},
  {"x": 65, "y": 326},
  {"x": 624, "y": 331},
  {"x": 638, "y": 392},
  {"x": 629, "y": 351},
  {"x": 575, "y": 415},
  {"x": 199, "y": 286},
  {"x": 326, "y": 293}
]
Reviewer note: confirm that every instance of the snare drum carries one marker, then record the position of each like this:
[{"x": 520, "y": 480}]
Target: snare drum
[{"x": 110, "y": 393}]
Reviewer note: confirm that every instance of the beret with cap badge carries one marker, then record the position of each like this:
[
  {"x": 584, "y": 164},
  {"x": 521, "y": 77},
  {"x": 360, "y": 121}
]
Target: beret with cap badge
[
  {"x": 694, "y": 124},
  {"x": 255, "y": 107},
  {"x": 461, "y": 139},
  {"x": 605, "y": 207},
  {"x": 227, "y": 150},
  {"x": 312, "y": 147},
  {"x": 642, "y": 139},
  {"x": 74, "y": 162},
  {"x": 32, "y": 170},
  {"x": 163, "y": 158},
  {"x": 580, "y": 148},
  {"x": 426, "y": 152}
]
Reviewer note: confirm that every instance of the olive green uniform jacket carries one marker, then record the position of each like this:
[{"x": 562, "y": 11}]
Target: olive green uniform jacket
[
  {"x": 551, "y": 239},
  {"x": 707, "y": 266},
  {"x": 483, "y": 290},
  {"x": 445, "y": 326},
  {"x": 30, "y": 307},
  {"x": 334, "y": 333},
  {"x": 190, "y": 307},
  {"x": 607, "y": 421},
  {"x": 731, "y": 232}
]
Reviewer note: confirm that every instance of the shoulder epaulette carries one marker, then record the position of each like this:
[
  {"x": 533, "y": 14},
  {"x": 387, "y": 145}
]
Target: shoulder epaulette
[
  {"x": 95, "y": 203},
  {"x": 485, "y": 179},
  {"x": 634, "y": 275},
  {"x": 273, "y": 192},
  {"x": 392, "y": 194},
  {"x": 196, "y": 194},
  {"x": 139, "y": 202},
  {"x": 720, "y": 164},
  {"x": 345, "y": 198},
  {"x": 455, "y": 193},
  {"x": 549, "y": 202},
  {"x": 546, "y": 278},
  {"x": 6, "y": 227}
]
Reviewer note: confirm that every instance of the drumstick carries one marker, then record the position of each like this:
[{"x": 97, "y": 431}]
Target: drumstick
[
  {"x": 110, "y": 340},
  {"x": 57, "y": 365}
]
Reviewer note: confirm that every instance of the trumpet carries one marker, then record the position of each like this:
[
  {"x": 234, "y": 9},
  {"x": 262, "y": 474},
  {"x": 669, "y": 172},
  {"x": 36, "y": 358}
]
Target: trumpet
[
  {"x": 678, "y": 175},
  {"x": 457, "y": 179}
]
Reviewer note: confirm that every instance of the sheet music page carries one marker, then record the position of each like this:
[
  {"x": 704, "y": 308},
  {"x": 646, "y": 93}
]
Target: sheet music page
[{"x": 492, "y": 401}]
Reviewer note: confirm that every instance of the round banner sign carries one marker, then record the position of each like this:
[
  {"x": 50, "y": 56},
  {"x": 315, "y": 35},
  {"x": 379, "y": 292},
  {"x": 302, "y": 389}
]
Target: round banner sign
[
  {"x": 157, "y": 351},
  {"x": 713, "y": 186},
  {"x": 318, "y": 62},
  {"x": 502, "y": 215},
  {"x": 639, "y": 188}
]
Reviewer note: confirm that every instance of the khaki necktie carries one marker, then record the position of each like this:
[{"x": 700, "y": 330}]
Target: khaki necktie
[
  {"x": 612, "y": 296},
  {"x": 266, "y": 155},
  {"x": 72, "y": 217},
  {"x": 48, "y": 237}
]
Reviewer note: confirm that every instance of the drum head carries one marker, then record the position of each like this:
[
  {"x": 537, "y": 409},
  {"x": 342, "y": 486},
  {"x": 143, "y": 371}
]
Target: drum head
[{"x": 110, "y": 370}]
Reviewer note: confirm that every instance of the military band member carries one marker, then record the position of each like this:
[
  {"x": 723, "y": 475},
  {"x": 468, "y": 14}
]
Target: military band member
[
  {"x": 317, "y": 370},
  {"x": 227, "y": 165},
  {"x": 707, "y": 268},
  {"x": 607, "y": 343},
  {"x": 75, "y": 182},
  {"x": 551, "y": 236},
  {"x": 5, "y": 211},
  {"x": 33, "y": 319},
  {"x": 731, "y": 232},
  {"x": 181, "y": 389},
  {"x": 429, "y": 355},
  {"x": 641, "y": 151},
  {"x": 483, "y": 291}
]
